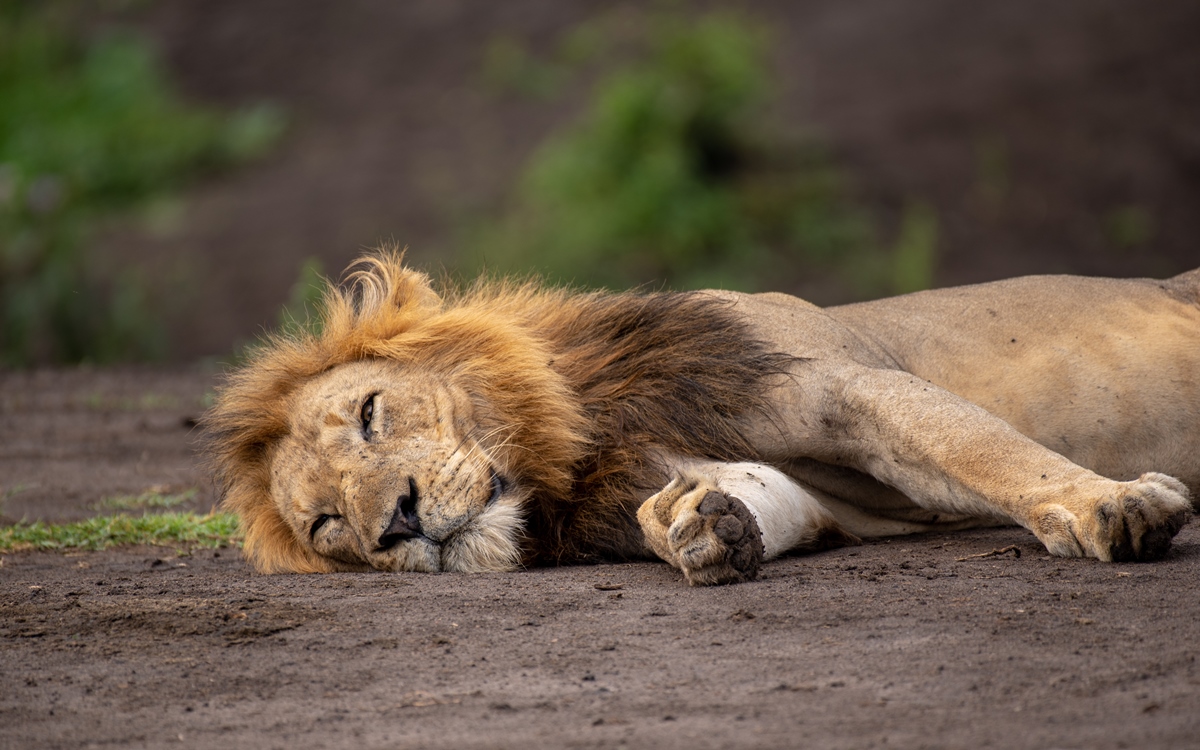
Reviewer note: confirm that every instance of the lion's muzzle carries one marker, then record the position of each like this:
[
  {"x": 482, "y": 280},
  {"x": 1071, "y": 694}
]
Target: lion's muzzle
[{"x": 404, "y": 523}]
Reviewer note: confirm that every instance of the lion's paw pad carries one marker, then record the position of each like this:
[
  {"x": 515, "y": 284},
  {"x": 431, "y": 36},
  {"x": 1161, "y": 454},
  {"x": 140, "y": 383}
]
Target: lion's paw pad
[{"x": 719, "y": 543}]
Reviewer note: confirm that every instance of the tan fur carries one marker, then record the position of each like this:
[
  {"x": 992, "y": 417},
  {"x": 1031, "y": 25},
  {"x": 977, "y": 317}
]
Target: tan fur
[{"x": 511, "y": 424}]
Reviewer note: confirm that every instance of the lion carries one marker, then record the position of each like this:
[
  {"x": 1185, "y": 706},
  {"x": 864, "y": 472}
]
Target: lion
[{"x": 510, "y": 424}]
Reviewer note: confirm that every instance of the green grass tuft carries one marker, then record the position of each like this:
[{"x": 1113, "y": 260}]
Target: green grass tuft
[{"x": 102, "y": 532}]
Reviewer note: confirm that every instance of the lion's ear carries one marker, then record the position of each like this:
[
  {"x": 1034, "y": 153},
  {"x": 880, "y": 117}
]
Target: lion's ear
[
  {"x": 382, "y": 282},
  {"x": 271, "y": 546},
  {"x": 381, "y": 299}
]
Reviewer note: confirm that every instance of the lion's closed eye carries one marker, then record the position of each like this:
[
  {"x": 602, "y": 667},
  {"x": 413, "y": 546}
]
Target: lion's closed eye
[{"x": 320, "y": 522}]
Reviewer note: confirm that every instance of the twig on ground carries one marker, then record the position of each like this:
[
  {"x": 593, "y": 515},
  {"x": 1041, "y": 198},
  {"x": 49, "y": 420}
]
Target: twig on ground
[{"x": 994, "y": 553}]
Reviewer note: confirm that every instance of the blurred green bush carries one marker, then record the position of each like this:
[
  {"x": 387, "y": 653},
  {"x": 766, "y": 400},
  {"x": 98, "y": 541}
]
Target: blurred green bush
[
  {"x": 88, "y": 128},
  {"x": 671, "y": 176}
]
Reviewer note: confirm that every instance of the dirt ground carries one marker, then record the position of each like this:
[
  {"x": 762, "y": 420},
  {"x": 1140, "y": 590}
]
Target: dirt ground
[{"x": 910, "y": 642}]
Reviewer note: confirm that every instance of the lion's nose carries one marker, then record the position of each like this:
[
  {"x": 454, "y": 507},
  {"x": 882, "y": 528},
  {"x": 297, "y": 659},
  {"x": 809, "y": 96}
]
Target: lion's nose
[{"x": 404, "y": 524}]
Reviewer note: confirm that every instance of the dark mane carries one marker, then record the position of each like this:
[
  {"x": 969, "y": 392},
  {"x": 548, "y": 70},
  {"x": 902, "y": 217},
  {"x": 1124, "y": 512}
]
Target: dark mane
[{"x": 667, "y": 371}]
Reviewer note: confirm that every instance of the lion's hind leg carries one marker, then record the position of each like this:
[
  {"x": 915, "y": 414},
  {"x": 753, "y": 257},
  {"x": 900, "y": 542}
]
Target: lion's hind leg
[{"x": 717, "y": 522}]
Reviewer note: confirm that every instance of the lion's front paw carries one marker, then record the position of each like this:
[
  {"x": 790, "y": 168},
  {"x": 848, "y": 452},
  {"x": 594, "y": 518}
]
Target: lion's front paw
[
  {"x": 712, "y": 537},
  {"x": 1135, "y": 523}
]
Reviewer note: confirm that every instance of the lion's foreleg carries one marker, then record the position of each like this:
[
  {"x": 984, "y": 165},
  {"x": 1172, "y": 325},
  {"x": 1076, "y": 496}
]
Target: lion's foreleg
[{"x": 948, "y": 454}]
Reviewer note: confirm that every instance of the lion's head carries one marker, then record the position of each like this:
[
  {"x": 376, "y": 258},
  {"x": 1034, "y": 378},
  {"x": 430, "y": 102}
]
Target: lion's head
[{"x": 407, "y": 435}]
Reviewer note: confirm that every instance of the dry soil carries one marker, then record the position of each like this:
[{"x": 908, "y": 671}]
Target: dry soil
[{"x": 912, "y": 642}]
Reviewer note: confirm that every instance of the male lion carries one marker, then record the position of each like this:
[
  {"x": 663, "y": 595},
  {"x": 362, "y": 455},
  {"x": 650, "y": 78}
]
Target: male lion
[{"x": 511, "y": 425}]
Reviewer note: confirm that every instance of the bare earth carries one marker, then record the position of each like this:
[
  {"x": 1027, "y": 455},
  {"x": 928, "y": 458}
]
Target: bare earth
[{"x": 900, "y": 643}]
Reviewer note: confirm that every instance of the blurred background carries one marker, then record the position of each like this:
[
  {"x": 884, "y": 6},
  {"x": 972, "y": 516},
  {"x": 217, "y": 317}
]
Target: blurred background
[{"x": 176, "y": 173}]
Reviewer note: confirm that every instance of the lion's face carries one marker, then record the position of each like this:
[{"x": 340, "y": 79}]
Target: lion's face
[{"x": 389, "y": 468}]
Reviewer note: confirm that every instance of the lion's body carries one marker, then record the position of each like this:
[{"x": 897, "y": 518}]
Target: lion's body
[
  {"x": 511, "y": 425},
  {"x": 1103, "y": 371}
]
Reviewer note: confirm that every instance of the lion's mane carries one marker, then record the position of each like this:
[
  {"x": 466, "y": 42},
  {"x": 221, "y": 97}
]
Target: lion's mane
[{"x": 588, "y": 388}]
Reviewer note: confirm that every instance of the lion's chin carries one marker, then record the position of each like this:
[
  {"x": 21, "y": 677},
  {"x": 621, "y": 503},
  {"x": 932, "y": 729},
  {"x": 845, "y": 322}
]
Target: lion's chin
[
  {"x": 414, "y": 556},
  {"x": 488, "y": 542}
]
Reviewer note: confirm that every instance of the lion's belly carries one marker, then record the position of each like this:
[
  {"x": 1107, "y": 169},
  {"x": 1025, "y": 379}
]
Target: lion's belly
[{"x": 867, "y": 508}]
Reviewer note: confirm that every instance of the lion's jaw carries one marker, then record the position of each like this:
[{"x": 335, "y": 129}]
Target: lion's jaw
[
  {"x": 386, "y": 468},
  {"x": 488, "y": 542}
]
